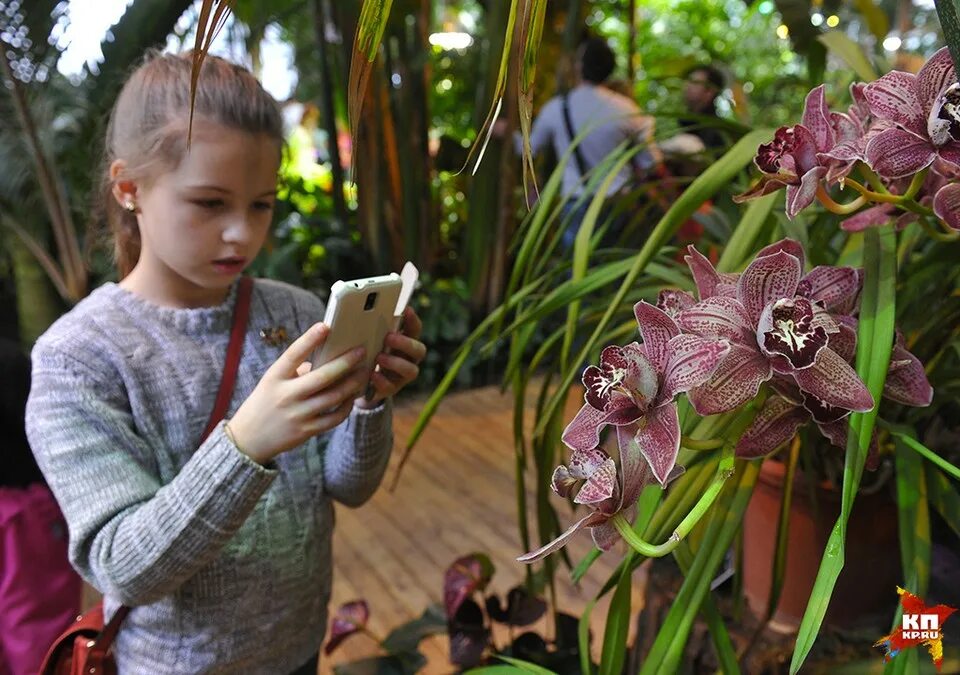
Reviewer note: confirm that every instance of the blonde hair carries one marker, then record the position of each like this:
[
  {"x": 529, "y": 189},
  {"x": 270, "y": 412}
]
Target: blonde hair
[{"x": 149, "y": 124}]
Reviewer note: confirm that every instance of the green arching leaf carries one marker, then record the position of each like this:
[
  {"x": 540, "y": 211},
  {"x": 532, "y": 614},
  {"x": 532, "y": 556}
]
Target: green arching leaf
[
  {"x": 726, "y": 654},
  {"x": 524, "y": 666},
  {"x": 705, "y": 186},
  {"x": 737, "y": 251},
  {"x": 614, "y": 651},
  {"x": 371, "y": 25},
  {"x": 583, "y": 633},
  {"x": 848, "y": 50},
  {"x": 875, "y": 343},
  {"x": 529, "y": 46}
]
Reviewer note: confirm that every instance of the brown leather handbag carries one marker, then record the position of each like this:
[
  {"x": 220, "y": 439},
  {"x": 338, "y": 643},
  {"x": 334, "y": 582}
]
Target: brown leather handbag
[{"x": 84, "y": 647}]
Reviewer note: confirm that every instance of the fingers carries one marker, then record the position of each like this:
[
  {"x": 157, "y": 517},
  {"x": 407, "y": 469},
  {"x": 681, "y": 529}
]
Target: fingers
[
  {"x": 331, "y": 419},
  {"x": 298, "y": 352},
  {"x": 410, "y": 347},
  {"x": 412, "y": 326},
  {"x": 304, "y": 368},
  {"x": 404, "y": 370},
  {"x": 333, "y": 397},
  {"x": 329, "y": 373}
]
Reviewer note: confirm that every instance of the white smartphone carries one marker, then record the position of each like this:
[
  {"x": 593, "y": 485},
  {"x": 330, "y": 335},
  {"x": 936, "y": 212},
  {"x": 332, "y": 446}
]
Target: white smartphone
[{"x": 361, "y": 312}]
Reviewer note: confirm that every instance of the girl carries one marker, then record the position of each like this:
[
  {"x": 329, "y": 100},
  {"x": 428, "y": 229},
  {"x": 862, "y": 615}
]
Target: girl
[{"x": 221, "y": 546}]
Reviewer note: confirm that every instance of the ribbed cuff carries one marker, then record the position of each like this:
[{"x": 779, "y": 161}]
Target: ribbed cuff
[{"x": 224, "y": 484}]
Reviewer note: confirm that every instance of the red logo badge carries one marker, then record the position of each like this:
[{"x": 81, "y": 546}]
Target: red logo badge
[{"x": 921, "y": 625}]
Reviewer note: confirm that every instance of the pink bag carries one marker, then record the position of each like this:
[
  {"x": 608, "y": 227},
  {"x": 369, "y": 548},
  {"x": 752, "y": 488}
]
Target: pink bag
[{"x": 39, "y": 590}]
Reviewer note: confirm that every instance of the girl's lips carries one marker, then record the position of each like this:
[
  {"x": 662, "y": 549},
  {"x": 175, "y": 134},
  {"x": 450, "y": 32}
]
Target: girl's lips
[{"x": 230, "y": 265}]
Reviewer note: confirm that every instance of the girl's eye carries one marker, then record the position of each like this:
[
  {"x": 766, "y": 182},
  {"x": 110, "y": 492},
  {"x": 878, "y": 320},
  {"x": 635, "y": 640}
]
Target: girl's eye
[
  {"x": 262, "y": 206},
  {"x": 208, "y": 203}
]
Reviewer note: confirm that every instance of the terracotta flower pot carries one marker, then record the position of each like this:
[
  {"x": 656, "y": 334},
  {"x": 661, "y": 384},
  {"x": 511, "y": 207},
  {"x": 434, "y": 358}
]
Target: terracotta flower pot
[{"x": 865, "y": 594}]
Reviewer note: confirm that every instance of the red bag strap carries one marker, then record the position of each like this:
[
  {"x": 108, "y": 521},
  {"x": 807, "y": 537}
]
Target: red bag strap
[{"x": 241, "y": 312}]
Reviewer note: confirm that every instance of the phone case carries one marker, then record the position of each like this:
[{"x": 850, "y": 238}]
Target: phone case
[{"x": 360, "y": 313}]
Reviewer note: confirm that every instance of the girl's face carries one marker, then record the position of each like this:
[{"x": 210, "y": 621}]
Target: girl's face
[{"x": 204, "y": 221}]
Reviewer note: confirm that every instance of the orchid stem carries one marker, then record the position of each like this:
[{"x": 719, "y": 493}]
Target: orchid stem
[
  {"x": 884, "y": 197},
  {"x": 724, "y": 471},
  {"x": 834, "y": 207},
  {"x": 935, "y": 232},
  {"x": 916, "y": 184},
  {"x": 701, "y": 444},
  {"x": 874, "y": 179}
]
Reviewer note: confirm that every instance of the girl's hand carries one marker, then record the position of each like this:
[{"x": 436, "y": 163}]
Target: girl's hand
[
  {"x": 292, "y": 402},
  {"x": 399, "y": 367}
]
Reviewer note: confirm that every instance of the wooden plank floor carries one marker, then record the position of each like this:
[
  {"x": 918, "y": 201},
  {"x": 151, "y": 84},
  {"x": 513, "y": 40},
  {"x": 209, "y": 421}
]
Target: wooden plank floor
[{"x": 456, "y": 496}]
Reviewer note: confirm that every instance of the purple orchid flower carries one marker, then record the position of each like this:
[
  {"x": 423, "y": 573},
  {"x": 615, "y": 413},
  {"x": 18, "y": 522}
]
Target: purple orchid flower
[
  {"x": 793, "y": 158},
  {"x": 946, "y": 204},
  {"x": 606, "y": 487},
  {"x": 853, "y": 131},
  {"x": 637, "y": 385},
  {"x": 925, "y": 111},
  {"x": 778, "y": 322},
  {"x": 789, "y": 408}
]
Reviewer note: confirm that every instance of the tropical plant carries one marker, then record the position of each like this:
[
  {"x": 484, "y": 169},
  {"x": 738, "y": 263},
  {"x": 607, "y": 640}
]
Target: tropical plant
[{"x": 761, "y": 352}]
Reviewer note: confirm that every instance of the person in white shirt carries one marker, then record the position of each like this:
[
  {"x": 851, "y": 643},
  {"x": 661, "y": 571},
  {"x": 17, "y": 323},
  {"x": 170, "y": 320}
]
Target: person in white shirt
[{"x": 609, "y": 119}]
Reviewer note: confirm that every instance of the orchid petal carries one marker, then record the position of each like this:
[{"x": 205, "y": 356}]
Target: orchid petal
[
  {"x": 673, "y": 302},
  {"x": 659, "y": 440},
  {"x": 775, "y": 424},
  {"x": 816, "y": 119},
  {"x": 801, "y": 196},
  {"x": 704, "y": 274},
  {"x": 894, "y": 97},
  {"x": 719, "y": 317},
  {"x": 591, "y": 520},
  {"x": 946, "y": 204},
  {"x": 692, "y": 360},
  {"x": 583, "y": 432},
  {"x": 895, "y": 153},
  {"x": 936, "y": 75},
  {"x": 763, "y": 187},
  {"x": 562, "y": 482},
  {"x": 787, "y": 245},
  {"x": 600, "y": 486},
  {"x": 656, "y": 329},
  {"x": 737, "y": 379},
  {"x": 584, "y": 463},
  {"x": 833, "y": 286},
  {"x": 768, "y": 279},
  {"x": 907, "y": 381},
  {"x": 875, "y": 216},
  {"x": 832, "y": 380},
  {"x": 844, "y": 342},
  {"x": 634, "y": 468},
  {"x": 605, "y": 536}
]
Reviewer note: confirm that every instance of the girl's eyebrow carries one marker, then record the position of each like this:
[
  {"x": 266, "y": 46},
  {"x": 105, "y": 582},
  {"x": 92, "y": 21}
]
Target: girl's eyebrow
[{"x": 269, "y": 193}]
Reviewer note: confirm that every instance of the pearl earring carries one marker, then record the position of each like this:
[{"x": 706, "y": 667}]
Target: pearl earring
[{"x": 130, "y": 205}]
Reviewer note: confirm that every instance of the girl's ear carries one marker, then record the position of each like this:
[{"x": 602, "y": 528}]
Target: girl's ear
[{"x": 124, "y": 191}]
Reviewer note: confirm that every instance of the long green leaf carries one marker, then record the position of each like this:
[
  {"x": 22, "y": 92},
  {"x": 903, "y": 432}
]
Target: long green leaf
[
  {"x": 530, "y": 37},
  {"x": 950, "y": 22},
  {"x": 371, "y": 25},
  {"x": 583, "y": 635},
  {"x": 875, "y": 343},
  {"x": 742, "y": 242},
  {"x": 914, "y": 529},
  {"x": 614, "y": 651},
  {"x": 705, "y": 186},
  {"x": 848, "y": 50}
]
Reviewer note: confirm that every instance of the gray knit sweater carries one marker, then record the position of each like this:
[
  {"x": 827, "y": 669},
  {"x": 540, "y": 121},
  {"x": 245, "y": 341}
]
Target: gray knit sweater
[{"x": 226, "y": 563}]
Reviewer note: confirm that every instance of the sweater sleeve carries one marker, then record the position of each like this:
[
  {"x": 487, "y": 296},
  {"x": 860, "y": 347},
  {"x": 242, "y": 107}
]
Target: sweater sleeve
[
  {"x": 357, "y": 454},
  {"x": 130, "y": 536}
]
